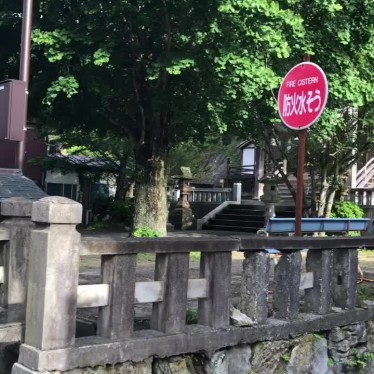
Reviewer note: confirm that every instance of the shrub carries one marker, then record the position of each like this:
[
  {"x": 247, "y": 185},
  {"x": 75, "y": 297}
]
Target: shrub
[
  {"x": 122, "y": 211},
  {"x": 347, "y": 209},
  {"x": 146, "y": 232},
  {"x": 100, "y": 207}
]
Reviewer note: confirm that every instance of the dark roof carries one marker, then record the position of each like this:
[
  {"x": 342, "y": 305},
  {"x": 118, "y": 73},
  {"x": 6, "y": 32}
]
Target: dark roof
[
  {"x": 19, "y": 186},
  {"x": 85, "y": 161}
]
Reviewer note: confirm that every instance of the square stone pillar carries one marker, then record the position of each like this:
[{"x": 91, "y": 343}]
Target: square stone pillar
[
  {"x": 345, "y": 278},
  {"x": 287, "y": 275},
  {"x": 319, "y": 298},
  {"x": 53, "y": 274},
  {"x": 14, "y": 254},
  {"x": 254, "y": 287}
]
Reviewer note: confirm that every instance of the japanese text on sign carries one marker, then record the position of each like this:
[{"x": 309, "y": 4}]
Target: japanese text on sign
[{"x": 305, "y": 102}]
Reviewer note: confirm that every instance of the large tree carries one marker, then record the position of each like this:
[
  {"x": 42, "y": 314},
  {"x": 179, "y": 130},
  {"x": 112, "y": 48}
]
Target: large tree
[{"x": 158, "y": 71}]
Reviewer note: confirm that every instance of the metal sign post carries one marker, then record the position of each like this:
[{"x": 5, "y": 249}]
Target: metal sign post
[
  {"x": 301, "y": 100},
  {"x": 24, "y": 71}
]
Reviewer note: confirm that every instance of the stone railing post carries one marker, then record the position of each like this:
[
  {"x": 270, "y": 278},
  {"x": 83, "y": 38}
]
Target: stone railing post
[
  {"x": 214, "y": 311},
  {"x": 254, "y": 286},
  {"x": 319, "y": 298},
  {"x": 237, "y": 192},
  {"x": 53, "y": 274},
  {"x": 14, "y": 254},
  {"x": 345, "y": 278},
  {"x": 287, "y": 275}
]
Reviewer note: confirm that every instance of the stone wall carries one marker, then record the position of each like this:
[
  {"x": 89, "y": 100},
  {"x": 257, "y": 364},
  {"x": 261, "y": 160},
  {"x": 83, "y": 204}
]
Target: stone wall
[{"x": 347, "y": 349}]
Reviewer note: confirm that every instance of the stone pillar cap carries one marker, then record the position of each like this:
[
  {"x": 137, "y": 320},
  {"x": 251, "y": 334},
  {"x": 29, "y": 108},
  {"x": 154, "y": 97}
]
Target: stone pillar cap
[
  {"x": 16, "y": 207},
  {"x": 57, "y": 209}
]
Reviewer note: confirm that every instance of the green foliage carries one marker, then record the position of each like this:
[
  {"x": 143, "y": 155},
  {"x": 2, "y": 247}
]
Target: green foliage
[
  {"x": 191, "y": 316},
  {"x": 365, "y": 292},
  {"x": 195, "y": 256},
  {"x": 100, "y": 207},
  {"x": 347, "y": 209},
  {"x": 146, "y": 232},
  {"x": 67, "y": 85},
  {"x": 158, "y": 72},
  {"x": 359, "y": 360},
  {"x": 286, "y": 357},
  {"x": 122, "y": 211},
  {"x": 330, "y": 362}
]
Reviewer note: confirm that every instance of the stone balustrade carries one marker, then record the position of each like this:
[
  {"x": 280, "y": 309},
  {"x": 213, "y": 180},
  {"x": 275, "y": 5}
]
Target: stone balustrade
[
  {"x": 329, "y": 291},
  {"x": 210, "y": 195},
  {"x": 363, "y": 196}
]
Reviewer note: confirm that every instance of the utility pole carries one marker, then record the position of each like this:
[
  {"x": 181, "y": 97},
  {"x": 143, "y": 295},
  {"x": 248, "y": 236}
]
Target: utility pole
[{"x": 24, "y": 71}]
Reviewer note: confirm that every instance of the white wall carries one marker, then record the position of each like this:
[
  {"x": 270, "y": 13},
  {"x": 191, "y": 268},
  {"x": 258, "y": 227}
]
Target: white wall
[
  {"x": 58, "y": 177},
  {"x": 248, "y": 157}
]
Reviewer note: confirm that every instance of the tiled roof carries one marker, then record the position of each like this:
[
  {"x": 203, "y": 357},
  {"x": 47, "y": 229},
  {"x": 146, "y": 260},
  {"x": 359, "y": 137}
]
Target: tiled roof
[
  {"x": 86, "y": 161},
  {"x": 19, "y": 186}
]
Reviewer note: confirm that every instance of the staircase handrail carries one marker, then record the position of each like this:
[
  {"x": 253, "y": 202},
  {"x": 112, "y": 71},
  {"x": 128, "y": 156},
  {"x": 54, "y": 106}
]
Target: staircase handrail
[{"x": 365, "y": 173}]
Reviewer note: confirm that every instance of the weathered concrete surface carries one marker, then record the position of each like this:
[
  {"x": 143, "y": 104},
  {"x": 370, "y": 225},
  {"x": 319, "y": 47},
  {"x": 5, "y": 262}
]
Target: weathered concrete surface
[
  {"x": 99, "y": 351},
  {"x": 53, "y": 274},
  {"x": 267, "y": 356},
  {"x": 16, "y": 207},
  {"x": 14, "y": 254},
  {"x": 214, "y": 311},
  {"x": 57, "y": 209},
  {"x": 287, "y": 274},
  {"x": 345, "y": 278},
  {"x": 309, "y": 356},
  {"x": 254, "y": 286},
  {"x": 319, "y": 298},
  {"x": 169, "y": 315}
]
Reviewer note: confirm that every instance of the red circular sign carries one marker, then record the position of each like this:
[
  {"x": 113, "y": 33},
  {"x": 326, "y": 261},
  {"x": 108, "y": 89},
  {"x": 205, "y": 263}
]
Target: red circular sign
[{"x": 302, "y": 96}]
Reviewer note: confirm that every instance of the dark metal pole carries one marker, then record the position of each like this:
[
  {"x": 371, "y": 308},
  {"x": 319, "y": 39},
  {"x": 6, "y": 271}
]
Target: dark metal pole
[
  {"x": 300, "y": 175},
  {"x": 300, "y": 181},
  {"x": 24, "y": 71}
]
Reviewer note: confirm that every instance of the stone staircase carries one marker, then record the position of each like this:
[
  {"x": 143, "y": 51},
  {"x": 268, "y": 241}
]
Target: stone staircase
[{"x": 245, "y": 218}]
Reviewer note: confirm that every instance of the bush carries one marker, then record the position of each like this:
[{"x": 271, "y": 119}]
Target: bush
[
  {"x": 118, "y": 211},
  {"x": 347, "y": 209},
  {"x": 146, "y": 232},
  {"x": 101, "y": 207},
  {"x": 122, "y": 211}
]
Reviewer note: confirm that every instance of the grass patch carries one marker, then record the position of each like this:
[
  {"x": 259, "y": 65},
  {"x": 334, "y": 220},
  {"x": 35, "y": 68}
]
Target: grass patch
[
  {"x": 107, "y": 226},
  {"x": 146, "y": 257},
  {"x": 366, "y": 252},
  {"x": 365, "y": 292}
]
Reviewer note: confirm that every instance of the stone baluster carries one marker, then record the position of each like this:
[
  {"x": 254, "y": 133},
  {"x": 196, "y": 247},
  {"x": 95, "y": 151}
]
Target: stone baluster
[
  {"x": 214, "y": 311},
  {"x": 53, "y": 274},
  {"x": 287, "y": 275},
  {"x": 14, "y": 254},
  {"x": 345, "y": 278},
  {"x": 116, "y": 321},
  {"x": 254, "y": 286},
  {"x": 169, "y": 315},
  {"x": 319, "y": 298}
]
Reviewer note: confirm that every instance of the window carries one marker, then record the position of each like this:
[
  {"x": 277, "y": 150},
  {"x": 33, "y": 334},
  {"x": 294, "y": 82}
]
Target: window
[{"x": 60, "y": 189}]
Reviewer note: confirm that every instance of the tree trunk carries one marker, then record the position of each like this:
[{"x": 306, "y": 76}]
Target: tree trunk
[
  {"x": 150, "y": 197},
  {"x": 313, "y": 193},
  {"x": 330, "y": 202},
  {"x": 323, "y": 194},
  {"x": 121, "y": 183}
]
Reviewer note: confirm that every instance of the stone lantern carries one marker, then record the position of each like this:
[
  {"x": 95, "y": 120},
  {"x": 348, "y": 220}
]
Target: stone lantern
[
  {"x": 181, "y": 216},
  {"x": 270, "y": 196}
]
